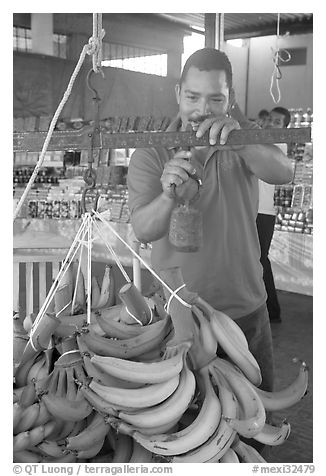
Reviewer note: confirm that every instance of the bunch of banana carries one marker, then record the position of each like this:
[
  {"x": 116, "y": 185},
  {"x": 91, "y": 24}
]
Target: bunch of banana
[
  {"x": 61, "y": 390},
  {"x": 126, "y": 348}
]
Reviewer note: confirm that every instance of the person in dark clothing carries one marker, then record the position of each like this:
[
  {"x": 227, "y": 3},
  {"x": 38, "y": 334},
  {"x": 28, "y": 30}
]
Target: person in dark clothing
[{"x": 279, "y": 117}]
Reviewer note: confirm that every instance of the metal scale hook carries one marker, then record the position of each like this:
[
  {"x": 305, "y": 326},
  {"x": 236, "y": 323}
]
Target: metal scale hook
[{"x": 96, "y": 141}]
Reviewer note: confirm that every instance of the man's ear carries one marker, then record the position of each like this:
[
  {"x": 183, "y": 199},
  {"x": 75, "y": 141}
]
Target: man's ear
[
  {"x": 231, "y": 99},
  {"x": 177, "y": 92}
]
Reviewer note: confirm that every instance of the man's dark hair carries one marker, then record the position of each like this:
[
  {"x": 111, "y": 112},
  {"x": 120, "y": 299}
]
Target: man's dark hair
[
  {"x": 208, "y": 59},
  {"x": 285, "y": 113},
  {"x": 263, "y": 113}
]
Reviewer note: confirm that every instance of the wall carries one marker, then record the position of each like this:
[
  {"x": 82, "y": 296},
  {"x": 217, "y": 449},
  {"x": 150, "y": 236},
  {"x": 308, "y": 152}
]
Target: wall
[
  {"x": 296, "y": 84},
  {"x": 238, "y": 58}
]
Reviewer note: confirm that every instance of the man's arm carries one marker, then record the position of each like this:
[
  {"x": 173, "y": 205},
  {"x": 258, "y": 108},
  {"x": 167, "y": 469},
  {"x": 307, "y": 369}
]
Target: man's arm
[
  {"x": 265, "y": 161},
  {"x": 150, "y": 221}
]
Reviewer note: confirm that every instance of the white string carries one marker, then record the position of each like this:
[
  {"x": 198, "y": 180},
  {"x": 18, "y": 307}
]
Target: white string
[
  {"x": 115, "y": 256},
  {"x": 277, "y": 56},
  {"x": 69, "y": 257},
  {"x": 136, "y": 319},
  {"x": 173, "y": 295},
  {"x": 89, "y": 268},
  {"x": 70, "y": 352},
  {"x": 141, "y": 260},
  {"x": 61, "y": 310}
]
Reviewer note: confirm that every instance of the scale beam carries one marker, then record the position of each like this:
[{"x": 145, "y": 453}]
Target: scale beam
[{"x": 81, "y": 139}]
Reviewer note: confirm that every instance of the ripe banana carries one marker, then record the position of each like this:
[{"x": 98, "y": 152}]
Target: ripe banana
[
  {"x": 120, "y": 330},
  {"x": 93, "y": 449},
  {"x": 142, "y": 397},
  {"x": 44, "y": 415},
  {"x": 168, "y": 411},
  {"x": 140, "y": 454},
  {"x": 71, "y": 410},
  {"x": 95, "y": 292},
  {"x": 23, "y": 369},
  {"x": 30, "y": 438},
  {"x": 141, "y": 372},
  {"x": 122, "y": 449},
  {"x": 66, "y": 458},
  {"x": 220, "y": 441},
  {"x": 228, "y": 339},
  {"x": 28, "y": 418},
  {"x": 97, "y": 430},
  {"x": 106, "y": 297},
  {"x": 97, "y": 402},
  {"x": 51, "y": 448},
  {"x": 206, "y": 337},
  {"x": 78, "y": 300},
  {"x": 192, "y": 436},
  {"x": 252, "y": 414},
  {"x": 288, "y": 396},
  {"x": 17, "y": 412},
  {"x": 229, "y": 457},
  {"x": 274, "y": 435},
  {"x": 32, "y": 374},
  {"x": 126, "y": 348},
  {"x": 28, "y": 395},
  {"x": 98, "y": 374},
  {"x": 247, "y": 453},
  {"x": 27, "y": 456}
]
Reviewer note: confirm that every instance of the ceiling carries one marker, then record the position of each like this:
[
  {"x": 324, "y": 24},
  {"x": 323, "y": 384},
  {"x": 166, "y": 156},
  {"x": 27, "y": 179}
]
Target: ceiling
[{"x": 245, "y": 25}]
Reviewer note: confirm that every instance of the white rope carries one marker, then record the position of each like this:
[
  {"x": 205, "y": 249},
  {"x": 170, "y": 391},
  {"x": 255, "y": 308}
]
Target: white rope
[
  {"x": 277, "y": 56},
  {"x": 69, "y": 257},
  {"x": 90, "y": 49},
  {"x": 106, "y": 223},
  {"x": 174, "y": 295},
  {"x": 115, "y": 256},
  {"x": 89, "y": 268}
]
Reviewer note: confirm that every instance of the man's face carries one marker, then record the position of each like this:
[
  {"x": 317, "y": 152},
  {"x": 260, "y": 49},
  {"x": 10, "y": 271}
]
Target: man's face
[
  {"x": 202, "y": 94},
  {"x": 276, "y": 120}
]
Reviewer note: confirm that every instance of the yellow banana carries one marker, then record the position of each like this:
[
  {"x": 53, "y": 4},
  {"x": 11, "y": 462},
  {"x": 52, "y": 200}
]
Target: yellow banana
[
  {"x": 17, "y": 412},
  {"x": 247, "y": 453},
  {"x": 51, "y": 448},
  {"x": 71, "y": 410},
  {"x": 23, "y": 369},
  {"x": 168, "y": 411},
  {"x": 119, "y": 329},
  {"x": 28, "y": 418},
  {"x": 141, "y": 372},
  {"x": 123, "y": 448},
  {"x": 140, "y": 454},
  {"x": 66, "y": 458},
  {"x": 78, "y": 299},
  {"x": 21, "y": 441},
  {"x": 285, "y": 398},
  {"x": 206, "y": 337},
  {"x": 27, "y": 456},
  {"x": 40, "y": 433},
  {"x": 98, "y": 402},
  {"x": 252, "y": 414},
  {"x": 44, "y": 415},
  {"x": 17, "y": 394},
  {"x": 95, "y": 292},
  {"x": 238, "y": 353},
  {"x": 28, "y": 395},
  {"x": 273, "y": 435},
  {"x": 126, "y": 348},
  {"x": 98, "y": 374},
  {"x": 218, "y": 444},
  {"x": 142, "y": 397},
  {"x": 229, "y": 457},
  {"x": 93, "y": 449},
  {"x": 97, "y": 430},
  {"x": 107, "y": 289},
  {"x": 32, "y": 374},
  {"x": 194, "y": 435}
]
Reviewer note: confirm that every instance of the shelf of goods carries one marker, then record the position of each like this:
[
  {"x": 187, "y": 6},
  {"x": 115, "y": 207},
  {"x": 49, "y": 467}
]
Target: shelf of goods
[{"x": 291, "y": 250}]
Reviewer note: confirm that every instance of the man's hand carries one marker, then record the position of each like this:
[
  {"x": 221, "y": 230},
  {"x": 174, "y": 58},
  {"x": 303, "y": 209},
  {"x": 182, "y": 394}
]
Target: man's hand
[
  {"x": 176, "y": 178},
  {"x": 218, "y": 125}
]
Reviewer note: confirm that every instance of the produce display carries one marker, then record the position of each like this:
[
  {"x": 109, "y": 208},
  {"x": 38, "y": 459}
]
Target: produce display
[{"x": 141, "y": 381}]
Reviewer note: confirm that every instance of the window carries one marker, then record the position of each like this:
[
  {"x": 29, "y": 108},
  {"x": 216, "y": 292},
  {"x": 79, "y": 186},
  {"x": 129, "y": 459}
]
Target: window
[
  {"x": 60, "y": 45},
  {"x": 134, "y": 59},
  {"x": 22, "y": 38}
]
